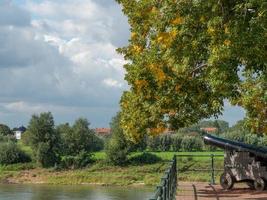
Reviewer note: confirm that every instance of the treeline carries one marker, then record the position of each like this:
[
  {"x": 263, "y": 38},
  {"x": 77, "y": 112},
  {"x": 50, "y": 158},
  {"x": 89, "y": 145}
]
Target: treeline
[
  {"x": 62, "y": 146},
  {"x": 72, "y": 146}
]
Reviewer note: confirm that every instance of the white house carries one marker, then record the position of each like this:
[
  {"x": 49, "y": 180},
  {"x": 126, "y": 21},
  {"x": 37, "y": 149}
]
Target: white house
[{"x": 19, "y": 131}]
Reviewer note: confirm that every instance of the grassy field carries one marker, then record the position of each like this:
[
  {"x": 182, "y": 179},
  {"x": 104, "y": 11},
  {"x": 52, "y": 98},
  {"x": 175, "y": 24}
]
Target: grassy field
[{"x": 103, "y": 174}]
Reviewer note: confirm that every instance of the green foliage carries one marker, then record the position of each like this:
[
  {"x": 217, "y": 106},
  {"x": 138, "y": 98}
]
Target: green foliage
[
  {"x": 190, "y": 143},
  {"x": 81, "y": 160},
  {"x": 5, "y": 130},
  {"x": 116, "y": 152},
  {"x": 186, "y": 58},
  {"x": 165, "y": 142},
  {"x": 78, "y": 138},
  {"x": 25, "y": 138},
  {"x": 45, "y": 156},
  {"x": 117, "y": 148},
  {"x": 145, "y": 158},
  {"x": 153, "y": 143},
  {"x": 11, "y": 154},
  {"x": 7, "y": 138},
  {"x": 43, "y": 139},
  {"x": 177, "y": 142}
]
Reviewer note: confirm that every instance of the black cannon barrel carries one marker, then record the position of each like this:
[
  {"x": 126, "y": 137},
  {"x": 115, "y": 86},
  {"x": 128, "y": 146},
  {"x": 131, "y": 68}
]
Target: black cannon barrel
[{"x": 233, "y": 145}]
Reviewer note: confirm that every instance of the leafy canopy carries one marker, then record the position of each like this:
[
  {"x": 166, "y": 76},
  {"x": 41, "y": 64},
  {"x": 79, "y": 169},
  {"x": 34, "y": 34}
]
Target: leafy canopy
[{"x": 187, "y": 56}]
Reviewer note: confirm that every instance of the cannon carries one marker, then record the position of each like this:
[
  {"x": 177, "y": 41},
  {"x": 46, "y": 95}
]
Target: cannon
[{"x": 242, "y": 163}]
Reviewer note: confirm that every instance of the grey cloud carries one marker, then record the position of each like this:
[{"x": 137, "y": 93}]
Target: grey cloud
[{"x": 11, "y": 15}]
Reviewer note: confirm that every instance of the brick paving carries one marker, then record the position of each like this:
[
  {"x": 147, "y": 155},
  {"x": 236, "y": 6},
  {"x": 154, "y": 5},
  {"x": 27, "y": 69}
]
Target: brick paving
[{"x": 204, "y": 191}]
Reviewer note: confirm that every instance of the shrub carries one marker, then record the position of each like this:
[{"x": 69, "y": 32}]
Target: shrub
[
  {"x": 236, "y": 135},
  {"x": 45, "y": 156},
  {"x": 165, "y": 143},
  {"x": 177, "y": 142},
  {"x": 192, "y": 144},
  {"x": 11, "y": 154},
  {"x": 116, "y": 152},
  {"x": 145, "y": 158},
  {"x": 117, "y": 148},
  {"x": 153, "y": 143},
  {"x": 79, "y": 161},
  {"x": 5, "y": 130}
]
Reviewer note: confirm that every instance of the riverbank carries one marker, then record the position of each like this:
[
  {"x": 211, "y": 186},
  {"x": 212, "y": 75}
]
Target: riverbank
[
  {"x": 97, "y": 174},
  {"x": 101, "y": 173}
]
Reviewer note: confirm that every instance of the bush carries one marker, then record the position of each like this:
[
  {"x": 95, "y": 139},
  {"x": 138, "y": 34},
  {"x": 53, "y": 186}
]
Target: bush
[
  {"x": 177, "y": 142},
  {"x": 145, "y": 158},
  {"x": 153, "y": 143},
  {"x": 11, "y": 154},
  {"x": 237, "y": 135},
  {"x": 192, "y": 144},
  {"x": 116, "y": 152},
  {"x": 76, "y": 162},
  {"x": 45, "y": 156},
  {"x": 7, "y": 138},
  {"x": 165, "y": 143},
  {"x": 117, "y": 148}
]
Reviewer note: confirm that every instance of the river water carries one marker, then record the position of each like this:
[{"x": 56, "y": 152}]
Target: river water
[{"x": 51, "y": 192}]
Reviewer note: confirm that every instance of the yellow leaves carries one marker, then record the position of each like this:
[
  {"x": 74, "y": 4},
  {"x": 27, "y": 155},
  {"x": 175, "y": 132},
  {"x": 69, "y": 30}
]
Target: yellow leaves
[
  {"x": 202, "y": 19},
  {"x": 227, "y": 42},
  {"x": 133, "y": 35},
  {"x": 140, "y": 84},
  {"x": 211, "y": 30},
  {"x": 177, "y": 21},
  {"x": 137, "y": 49},
  {"x": 226, "y": 30},
  {"x": 154, "y": 10},
  {"x": 166, "y": 38},
  {"x": 158, "y": 72}
]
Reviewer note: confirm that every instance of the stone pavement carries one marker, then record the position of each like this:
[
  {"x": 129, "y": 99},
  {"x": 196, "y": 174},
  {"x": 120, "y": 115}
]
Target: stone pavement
[{"x": 204, "y": 191}]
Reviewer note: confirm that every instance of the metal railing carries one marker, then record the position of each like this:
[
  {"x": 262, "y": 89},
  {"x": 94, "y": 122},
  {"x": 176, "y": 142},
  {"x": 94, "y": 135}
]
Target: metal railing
[
  {"x": 168, "y": 184},
  {"x": 212, "y": 169}
]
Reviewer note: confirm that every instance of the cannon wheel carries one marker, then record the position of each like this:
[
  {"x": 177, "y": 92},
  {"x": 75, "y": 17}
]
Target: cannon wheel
[
  {"x": 227, "y": 181},
  {"x": 260, "y": 184},
  {"x": 250, "y": 184}
]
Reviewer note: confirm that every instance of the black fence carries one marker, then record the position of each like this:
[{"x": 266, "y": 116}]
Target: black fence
[
  {"x": 167, "y": 187},
  {"x": 209, "y": 164},
  {"x": 169, "y": 182}
]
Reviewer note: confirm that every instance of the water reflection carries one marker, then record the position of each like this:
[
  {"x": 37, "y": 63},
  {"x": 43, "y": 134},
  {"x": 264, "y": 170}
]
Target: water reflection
[{"x": 51, "y": 192}]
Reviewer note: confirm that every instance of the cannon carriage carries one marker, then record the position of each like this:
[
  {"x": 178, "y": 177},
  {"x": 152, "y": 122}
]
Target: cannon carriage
[{"x": 242, "y": 163}]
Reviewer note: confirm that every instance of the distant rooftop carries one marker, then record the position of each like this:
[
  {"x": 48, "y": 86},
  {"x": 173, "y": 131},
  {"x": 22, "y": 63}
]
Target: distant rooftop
[
  {"x": 209, "y": 129},
  {"x": 103, "y": 131}
]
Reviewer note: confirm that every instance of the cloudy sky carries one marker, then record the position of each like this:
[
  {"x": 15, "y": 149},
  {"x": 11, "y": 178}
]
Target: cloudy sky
[{"x": 59, "y": 56}]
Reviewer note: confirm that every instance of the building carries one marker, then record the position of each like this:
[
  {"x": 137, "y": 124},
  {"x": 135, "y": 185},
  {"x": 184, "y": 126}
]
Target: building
[
  {"x": 210, "y": 129},
  {"x": 18, "y": 132},
  {"x": 103, "y": 132}
]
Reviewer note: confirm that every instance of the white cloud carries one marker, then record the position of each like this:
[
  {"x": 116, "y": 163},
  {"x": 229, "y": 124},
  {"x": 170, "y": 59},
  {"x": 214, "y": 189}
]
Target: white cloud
[
  {"x": 112, "y": 83},
  {"x": 64, "y": 57}
]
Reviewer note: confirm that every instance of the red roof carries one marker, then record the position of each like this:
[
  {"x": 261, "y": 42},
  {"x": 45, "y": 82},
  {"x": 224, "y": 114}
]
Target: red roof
[
  {"x": 209, "y": 129},
  {"x": 103, "y": 131}
]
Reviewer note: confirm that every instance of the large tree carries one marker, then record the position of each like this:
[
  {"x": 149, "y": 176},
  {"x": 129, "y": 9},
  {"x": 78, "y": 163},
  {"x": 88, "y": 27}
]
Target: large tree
[
  {"x": 187, "y": 56},
  {"x": 44, "y": 139},
  {"x": 78, "y": 138}
]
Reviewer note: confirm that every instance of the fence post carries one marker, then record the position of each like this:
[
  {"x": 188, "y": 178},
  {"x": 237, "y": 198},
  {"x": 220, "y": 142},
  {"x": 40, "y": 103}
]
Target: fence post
[{"x": 212, "y": 170}]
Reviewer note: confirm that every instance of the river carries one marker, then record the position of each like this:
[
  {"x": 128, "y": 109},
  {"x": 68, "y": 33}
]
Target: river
[{"x": 52, "y": 192}]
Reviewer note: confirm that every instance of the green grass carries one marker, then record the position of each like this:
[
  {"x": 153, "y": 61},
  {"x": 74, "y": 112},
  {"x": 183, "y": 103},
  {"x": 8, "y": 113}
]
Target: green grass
[{"x": 104, "y": 174}]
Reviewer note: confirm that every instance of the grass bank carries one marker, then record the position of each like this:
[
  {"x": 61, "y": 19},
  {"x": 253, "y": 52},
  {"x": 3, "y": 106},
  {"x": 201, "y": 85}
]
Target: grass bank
[{"x": 103, "y": 174}]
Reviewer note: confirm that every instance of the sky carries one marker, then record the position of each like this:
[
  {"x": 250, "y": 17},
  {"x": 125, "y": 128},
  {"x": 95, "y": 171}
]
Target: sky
[{"x": 60, "y": 56}]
